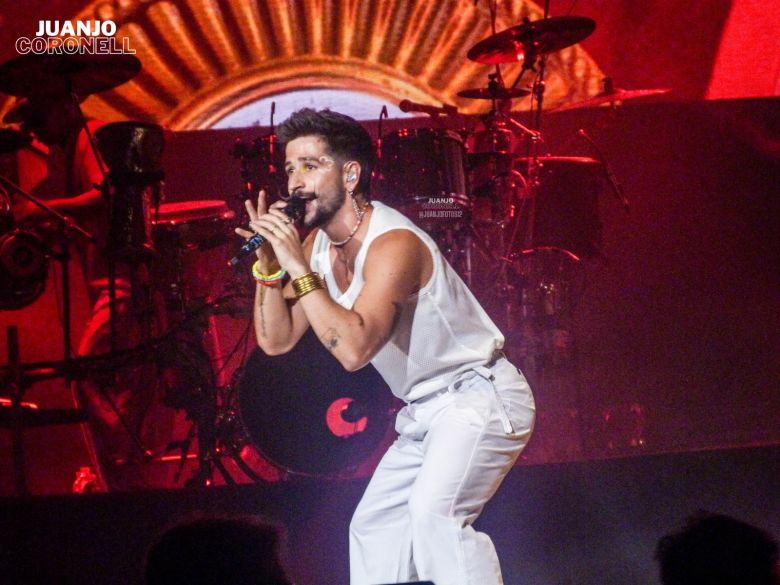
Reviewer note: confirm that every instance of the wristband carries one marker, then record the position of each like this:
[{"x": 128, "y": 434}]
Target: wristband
[
  {"x": 303, "y": 285},
  {"x": 267, "y": 279}
]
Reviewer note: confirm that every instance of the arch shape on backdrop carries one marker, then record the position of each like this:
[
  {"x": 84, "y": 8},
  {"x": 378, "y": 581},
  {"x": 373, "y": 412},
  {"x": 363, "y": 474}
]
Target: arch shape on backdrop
[{"x": 203, "y": 59}]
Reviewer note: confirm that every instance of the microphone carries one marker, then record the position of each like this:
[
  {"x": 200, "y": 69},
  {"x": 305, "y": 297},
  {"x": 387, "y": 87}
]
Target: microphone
[
  {"x": 410, "y": 106},
  {"x": 294, "y": 210},
  {"x": 382, "y": 115},
  {"x": 611, "y": 178}
]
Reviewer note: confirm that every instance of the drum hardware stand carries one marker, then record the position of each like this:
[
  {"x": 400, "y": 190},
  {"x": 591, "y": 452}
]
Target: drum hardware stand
[
  {"x": 208, "y": 455},
  {"x": 532, "y": 183},
  {"x": 105, "y": 188},
  {"x": 16, "y": 380},
  {"x": 212, "y": 445},
  {"x": 240, "y": 150},
  {"x": 206, "y": 431},
  {"x": 204, "y": 409},
  {"x": 505, "y": 289},
  {"x": 254, "y": 151},
  {"x": 615, "y": 187},
  {"x": 65, "y": 226}
]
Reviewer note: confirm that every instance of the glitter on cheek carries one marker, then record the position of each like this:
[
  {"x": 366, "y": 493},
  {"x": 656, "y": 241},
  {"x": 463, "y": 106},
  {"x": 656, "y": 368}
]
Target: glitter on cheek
[{"x": 326, "y": 162}]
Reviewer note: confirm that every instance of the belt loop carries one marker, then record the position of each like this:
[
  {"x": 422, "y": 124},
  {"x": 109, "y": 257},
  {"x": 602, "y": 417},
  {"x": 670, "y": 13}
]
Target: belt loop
[
  {"x": 485, "y": 372},
  {"x": 502, "y": 414},
  {"x": 463, "y": 377}
]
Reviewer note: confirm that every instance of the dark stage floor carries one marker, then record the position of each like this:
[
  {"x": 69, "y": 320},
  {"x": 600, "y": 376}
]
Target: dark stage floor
[{"x": 577, "y": 523}]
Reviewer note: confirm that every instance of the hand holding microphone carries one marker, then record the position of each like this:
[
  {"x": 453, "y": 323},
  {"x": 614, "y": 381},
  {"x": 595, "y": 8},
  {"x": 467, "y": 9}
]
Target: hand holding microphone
[{"x": 272, "y": 223}]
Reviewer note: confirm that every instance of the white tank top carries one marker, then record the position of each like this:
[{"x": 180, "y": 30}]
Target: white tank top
[{"x": 442, "y": 331}]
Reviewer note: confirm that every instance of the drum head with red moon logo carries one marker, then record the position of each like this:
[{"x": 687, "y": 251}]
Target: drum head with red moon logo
[{"x": 306, "y": 414}]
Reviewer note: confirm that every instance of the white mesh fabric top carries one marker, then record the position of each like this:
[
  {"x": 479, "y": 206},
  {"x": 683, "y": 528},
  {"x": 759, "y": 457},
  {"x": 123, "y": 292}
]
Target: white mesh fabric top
[{"x": 442, "y": 330}]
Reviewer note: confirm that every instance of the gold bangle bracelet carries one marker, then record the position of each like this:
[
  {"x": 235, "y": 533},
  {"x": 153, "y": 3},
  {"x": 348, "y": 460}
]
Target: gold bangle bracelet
[{"x": 303, "y": 285}]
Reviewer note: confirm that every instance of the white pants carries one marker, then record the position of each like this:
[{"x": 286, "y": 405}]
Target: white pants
[{"x": 414, "y": 521}]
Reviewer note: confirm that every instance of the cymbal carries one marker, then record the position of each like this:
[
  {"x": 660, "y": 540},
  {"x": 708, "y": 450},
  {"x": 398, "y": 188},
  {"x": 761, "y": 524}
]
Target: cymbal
[
  {"x": 12, "y": 140},
  {"x": 55, "y": 75},
  {"x": 497, "y": 93},
  {"x": 532, "y": 38},
  {"x": 611, "y": 97}
]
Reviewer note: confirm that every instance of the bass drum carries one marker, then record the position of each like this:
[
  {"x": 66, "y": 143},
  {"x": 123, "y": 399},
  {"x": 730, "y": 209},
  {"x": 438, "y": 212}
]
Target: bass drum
[
  {"x": 567, "y": 210},
  {"x": 307, "y": 415}
]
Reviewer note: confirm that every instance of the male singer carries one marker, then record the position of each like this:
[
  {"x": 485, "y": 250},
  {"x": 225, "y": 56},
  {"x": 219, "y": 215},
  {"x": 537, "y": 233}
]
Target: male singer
[{"x": 375, "y": 288}]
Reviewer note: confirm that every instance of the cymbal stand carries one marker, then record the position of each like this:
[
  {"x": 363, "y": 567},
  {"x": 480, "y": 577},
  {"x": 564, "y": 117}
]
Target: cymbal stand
[
  {"x": 106, "y": 191},
  {"x": 537, "y": 92},
  {"x": 15, "y": 382},
  {"x": 525, "y": 215},
  {"x": 495, "y": 83}
]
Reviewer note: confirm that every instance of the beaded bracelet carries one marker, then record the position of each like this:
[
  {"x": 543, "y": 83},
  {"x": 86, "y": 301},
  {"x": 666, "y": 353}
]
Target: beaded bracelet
[
  {"x": 267, "y": 279},
  {"x": 303, "y": 285}
]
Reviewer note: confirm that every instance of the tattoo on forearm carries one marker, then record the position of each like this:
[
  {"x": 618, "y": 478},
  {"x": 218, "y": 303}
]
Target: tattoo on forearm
[
  {"x": 331, "y": 339},
  {"x": 263, "y": 332}
]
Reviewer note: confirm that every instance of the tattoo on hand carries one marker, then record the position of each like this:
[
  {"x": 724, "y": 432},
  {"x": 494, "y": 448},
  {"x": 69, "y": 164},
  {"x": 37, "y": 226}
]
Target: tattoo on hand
[{"x": 330, "y": 339}]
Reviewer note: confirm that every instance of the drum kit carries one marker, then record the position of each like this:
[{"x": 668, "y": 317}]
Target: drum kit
[
  {"x": 514, "y": 223},
  {"x": 144, "y": 240},
  {"x": 517, "y": 225}
]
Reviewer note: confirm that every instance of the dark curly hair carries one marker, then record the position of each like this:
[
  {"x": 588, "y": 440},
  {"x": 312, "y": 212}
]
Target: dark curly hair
[{"x": 346, "y": 139}]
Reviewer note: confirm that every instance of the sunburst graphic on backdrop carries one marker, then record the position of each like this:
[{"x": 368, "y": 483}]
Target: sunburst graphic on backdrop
[{"x": 203, "y": 59}]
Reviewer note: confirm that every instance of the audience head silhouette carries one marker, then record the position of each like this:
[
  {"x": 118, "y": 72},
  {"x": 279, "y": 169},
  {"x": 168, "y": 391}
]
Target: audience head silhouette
[
  {"x": 714, "y": 549},
  {"x": 216, "y": 551}
]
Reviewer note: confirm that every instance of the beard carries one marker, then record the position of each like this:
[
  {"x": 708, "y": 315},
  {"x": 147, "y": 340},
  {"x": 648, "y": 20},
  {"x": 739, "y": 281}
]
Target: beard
[{"x": 326, "y": 208}]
